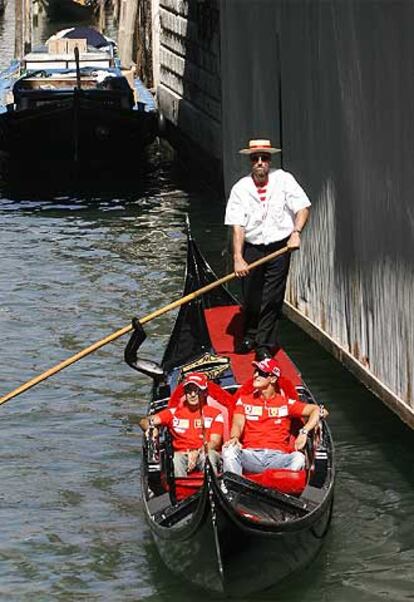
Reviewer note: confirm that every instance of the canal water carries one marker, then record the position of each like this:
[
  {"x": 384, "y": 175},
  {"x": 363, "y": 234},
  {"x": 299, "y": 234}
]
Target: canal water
[{"x": 76, "y": 265}]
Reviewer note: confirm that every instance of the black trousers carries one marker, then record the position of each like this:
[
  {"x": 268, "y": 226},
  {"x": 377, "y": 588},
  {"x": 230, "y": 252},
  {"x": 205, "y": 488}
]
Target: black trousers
[{"x": 263, "y": 294}]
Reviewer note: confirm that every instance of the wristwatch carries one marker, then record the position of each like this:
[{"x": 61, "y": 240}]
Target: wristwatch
[
  {"x": 151, "y": 422},
  {"x": 297, "y": 230},
  {"x": 303, "y": 431}
]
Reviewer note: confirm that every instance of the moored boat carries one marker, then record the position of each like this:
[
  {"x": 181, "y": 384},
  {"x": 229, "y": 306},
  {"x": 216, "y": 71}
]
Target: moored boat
[
  {"x": 71, "y": 103},
  {"x": 223, "y": 532},
  {"x": 76, "y": 10}
]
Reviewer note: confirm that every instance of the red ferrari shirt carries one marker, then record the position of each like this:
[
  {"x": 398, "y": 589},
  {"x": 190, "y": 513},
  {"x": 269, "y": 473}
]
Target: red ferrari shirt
[
  {"x": 268, "y": 421},
  {"x": 186, "y": 426}
]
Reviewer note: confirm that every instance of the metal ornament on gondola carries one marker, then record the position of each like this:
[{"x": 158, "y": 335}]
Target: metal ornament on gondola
[{"x": 212, "y": 365}]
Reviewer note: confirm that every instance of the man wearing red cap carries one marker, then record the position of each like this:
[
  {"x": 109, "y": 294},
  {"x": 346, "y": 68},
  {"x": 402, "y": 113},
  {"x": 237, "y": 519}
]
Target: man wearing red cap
[
  {"x": 193, "y": 425},
  {"x": 260, "y": 433},
  {"x": 267, "y": 211}
]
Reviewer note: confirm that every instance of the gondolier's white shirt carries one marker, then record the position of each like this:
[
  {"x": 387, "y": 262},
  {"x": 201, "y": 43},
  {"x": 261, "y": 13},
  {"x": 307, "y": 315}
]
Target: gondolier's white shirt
[{"x": 271, "y": 220}]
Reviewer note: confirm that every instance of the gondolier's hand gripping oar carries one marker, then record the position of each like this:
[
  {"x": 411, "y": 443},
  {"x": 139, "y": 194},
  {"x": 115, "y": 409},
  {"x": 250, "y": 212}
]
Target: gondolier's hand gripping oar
[{"x": 119, "y": 333}]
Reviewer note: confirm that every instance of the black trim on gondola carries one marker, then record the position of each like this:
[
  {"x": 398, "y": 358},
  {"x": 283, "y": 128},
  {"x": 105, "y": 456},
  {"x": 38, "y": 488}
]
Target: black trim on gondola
[
  {"x": 174, "y": 514},
  {"x": 145, "y": 366},
  {"x": 137, "y": 338}
]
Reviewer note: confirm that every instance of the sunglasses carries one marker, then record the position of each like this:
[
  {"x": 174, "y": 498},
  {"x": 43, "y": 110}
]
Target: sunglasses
[
  {"x": 263, "y": 158},
  {"x": 262, "y": 373},
  {"x": 193, "y": 390}
]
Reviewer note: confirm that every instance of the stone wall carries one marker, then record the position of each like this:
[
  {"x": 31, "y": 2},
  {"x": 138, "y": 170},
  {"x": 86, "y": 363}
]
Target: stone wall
[
  {"x": 187, "y": 76},
  {"x": 332, "y": 82}
]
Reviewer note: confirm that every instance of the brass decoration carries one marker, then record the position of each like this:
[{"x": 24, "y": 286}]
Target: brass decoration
[{"x": 211, "y": 365}]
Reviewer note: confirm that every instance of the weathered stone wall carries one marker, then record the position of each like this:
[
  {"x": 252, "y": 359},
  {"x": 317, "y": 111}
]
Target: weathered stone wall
[
  {"x": 344, "y": 109},
  {"x": 188, "y": 74},
  {"x": 351, "y": 139},
  {"x": 143, "y": 44}
]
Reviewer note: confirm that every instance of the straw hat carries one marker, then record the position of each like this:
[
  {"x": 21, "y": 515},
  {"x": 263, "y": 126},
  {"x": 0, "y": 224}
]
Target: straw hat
[{"x": 259, "y": 146}]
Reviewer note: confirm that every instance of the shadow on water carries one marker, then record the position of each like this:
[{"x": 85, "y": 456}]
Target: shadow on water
[
  {"x": 153, "y": 171},
  {"x": 160, "y": 179}
]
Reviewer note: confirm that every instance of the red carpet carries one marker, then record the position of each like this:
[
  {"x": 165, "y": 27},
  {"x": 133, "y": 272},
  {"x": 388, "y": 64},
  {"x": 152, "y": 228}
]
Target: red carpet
[{"x": 225, "y": 325}]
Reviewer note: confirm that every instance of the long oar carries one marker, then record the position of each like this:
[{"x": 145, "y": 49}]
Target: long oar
[{"x": 119, "y": 333}]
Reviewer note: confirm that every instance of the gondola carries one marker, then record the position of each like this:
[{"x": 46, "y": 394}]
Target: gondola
[{"x": 228, "y": 534}]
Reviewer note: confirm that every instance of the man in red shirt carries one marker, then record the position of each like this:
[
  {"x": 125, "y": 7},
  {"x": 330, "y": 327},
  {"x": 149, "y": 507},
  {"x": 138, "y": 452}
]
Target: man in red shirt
[
  {"x": 192, "y": 425},
  {"x": 260, "y": 433}
]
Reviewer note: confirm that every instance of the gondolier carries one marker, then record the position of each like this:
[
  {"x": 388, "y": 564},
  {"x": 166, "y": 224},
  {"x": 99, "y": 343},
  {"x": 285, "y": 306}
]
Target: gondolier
[{"x": 267, "y": 210}]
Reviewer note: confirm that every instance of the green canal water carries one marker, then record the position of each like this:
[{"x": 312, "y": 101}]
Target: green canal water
[{"x": 74, "y": 267}]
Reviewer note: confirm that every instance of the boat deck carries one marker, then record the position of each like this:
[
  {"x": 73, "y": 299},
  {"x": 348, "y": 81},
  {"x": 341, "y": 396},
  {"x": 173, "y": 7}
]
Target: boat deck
[{"x": 225, "y": 327}]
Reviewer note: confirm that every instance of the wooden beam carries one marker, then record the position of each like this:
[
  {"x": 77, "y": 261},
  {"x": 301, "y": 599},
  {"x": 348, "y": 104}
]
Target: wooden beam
[
  {"x": 28, "y": 25},
  {"x": 127, "y": 24},
  {"x": 19, "y": 27},
  {"x": 102, "y": 23},
  {"x": 115, "y": 11}
]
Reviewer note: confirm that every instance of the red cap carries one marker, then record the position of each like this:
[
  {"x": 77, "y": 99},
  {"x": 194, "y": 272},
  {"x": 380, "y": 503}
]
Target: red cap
[
  {"x": 196, "y": 378},
  {"x": 268, "y": 365}
]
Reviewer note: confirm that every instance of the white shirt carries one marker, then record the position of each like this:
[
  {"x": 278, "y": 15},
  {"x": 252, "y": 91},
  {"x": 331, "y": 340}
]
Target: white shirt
[{"x": 271, "y": 220}]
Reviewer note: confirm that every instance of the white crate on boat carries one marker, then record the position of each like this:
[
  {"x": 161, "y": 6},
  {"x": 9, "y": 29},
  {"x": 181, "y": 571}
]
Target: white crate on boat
[{"x": 73, "y": 43}]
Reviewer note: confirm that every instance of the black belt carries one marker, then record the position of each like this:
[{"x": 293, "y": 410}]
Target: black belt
[{"x": 273, "y": 246}]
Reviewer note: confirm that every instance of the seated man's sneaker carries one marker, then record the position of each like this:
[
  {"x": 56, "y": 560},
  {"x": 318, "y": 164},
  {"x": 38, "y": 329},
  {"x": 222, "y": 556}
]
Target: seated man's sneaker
[{"x": 245, "y": 346}]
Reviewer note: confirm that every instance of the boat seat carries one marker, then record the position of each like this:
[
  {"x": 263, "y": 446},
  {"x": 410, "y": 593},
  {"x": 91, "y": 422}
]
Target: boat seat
[
  {"x": 283, "y": 480},
  {"x": 186, "y": 486},
  {"x": 292, "y": 482}
]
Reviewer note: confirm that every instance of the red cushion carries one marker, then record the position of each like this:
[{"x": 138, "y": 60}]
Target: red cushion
[
  {"x": 186, "y": 486},
  {"x": 286, "y": 481}
]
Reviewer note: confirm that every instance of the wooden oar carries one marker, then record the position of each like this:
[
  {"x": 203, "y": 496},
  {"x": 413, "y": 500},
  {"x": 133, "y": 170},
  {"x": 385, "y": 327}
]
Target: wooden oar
[{"x": 119, "y": 333}]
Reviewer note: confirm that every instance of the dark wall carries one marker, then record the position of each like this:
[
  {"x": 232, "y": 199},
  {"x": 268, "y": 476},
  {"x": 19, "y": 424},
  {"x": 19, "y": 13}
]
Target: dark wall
[
  {"x": 250, "y": 79},
  {"x": 333, "y": 81},
  {"x": 348, "y": 87}
]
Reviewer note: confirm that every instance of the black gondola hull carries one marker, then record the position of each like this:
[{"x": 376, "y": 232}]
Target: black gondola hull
[
  {"x": 69, "y": 9},
  {"x": 248, "y": 557},
  {"x": 190, "y": 551},
  {"x": 79, "y": 131}
]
